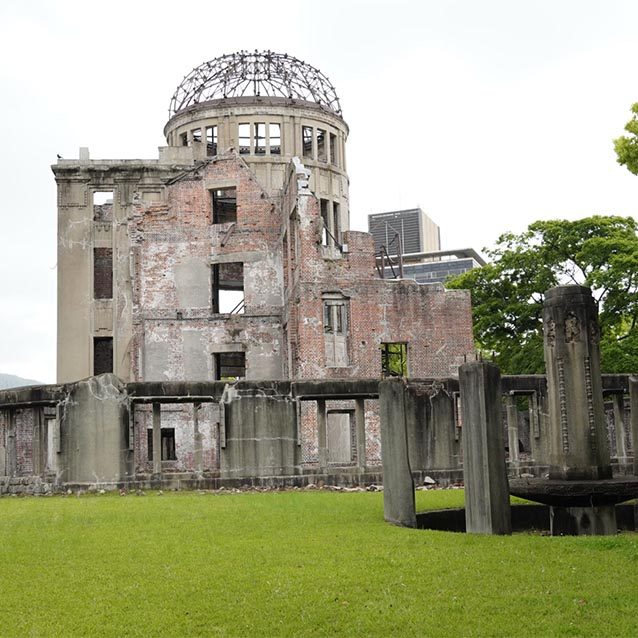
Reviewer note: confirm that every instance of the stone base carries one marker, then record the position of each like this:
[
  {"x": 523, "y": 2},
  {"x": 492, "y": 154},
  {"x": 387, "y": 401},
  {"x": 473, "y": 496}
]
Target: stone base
[{"x": 583, "y": 521}]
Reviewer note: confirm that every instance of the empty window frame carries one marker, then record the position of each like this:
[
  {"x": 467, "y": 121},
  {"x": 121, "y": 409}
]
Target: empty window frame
[
  {"x": 306, "y": 141},
  {"x": 335, "y": 316},
  {"x": 336, "y": 222},
  {"x": 102, "y": 273},
  {"x": 228, "y": 288},
  {"x": 102, "y": 355},
  {"x": 103, "y": 206},
  {"x": 331, "y": 222},
  {"x": 244, "y": 138},
  {"x": 335, "y": 329},
  {"x": 184, "y": 139},
  {"x": 394, "y": 359},
  {"x": 168, "y": 444},
  {"x": 211, "y": 141},
  {"x": 196, "y": 135},
  {"x": 229, "y": 366},
  {"x": 325, "y": 219},
  {"x": 321, "y": 145},
  {"x": 274, "y": 138},
  {"x": 224, "y": 205},
  {"x": 259, "y": 138},
  {"x": 333, "y": 150}
]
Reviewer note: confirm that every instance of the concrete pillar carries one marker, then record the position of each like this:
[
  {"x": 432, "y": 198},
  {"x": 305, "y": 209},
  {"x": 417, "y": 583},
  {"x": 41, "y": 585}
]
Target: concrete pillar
[
  {"x": 322, "y": 434},
  {"x": 197, "y": 440},
  {"x": 399, "y": 505},
  {"x": 487, "y": 507},
  {"x": 618, "y": 401},
  {"x": 157, "y": 439},
  {"x": 442, "y": 446},
  {"x": 579, "y": 449},
  {"x": 360, "y": 426},
  {"x": 633, "y": 405},
  {"x": 93, "y": 425},
  {"x": 512, "y": 428}
]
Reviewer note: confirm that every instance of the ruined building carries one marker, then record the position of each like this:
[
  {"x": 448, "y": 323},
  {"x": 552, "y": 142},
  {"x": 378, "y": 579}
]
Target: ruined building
[{"x": 230, "y": 257}]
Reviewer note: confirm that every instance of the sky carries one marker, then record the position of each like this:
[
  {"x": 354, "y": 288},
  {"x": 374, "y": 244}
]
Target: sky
[{"x": 487, "y": 114}]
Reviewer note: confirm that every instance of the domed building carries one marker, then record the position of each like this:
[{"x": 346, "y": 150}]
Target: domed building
[{"x": 230, "y": 257}]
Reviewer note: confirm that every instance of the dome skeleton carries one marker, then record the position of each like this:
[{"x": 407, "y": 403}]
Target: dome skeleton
[{"x": 259, "y": 74}]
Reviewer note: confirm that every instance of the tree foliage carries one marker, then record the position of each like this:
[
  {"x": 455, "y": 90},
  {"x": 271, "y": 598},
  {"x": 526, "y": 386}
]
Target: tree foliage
[
  {"x": 626, "y": 147},
  {"x": 507, "y": 294}
]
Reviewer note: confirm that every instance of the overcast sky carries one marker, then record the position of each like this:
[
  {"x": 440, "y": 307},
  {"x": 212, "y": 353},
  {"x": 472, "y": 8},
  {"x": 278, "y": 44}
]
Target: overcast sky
[{"x": 487, "y": 114}]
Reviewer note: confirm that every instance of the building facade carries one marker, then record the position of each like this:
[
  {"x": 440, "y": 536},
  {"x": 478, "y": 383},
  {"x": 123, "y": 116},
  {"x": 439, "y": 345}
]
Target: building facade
[{"x": 229, "y": 257}]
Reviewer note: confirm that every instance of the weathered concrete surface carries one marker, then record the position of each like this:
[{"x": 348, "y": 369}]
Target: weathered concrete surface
[
  {"x": 487, "y": 508},
  {"x": 260, "y": 435},
  {"x": 399, "y": 505},
  {"x": 583, "y": 521},
  {"x": 579, "y": 447},
  {"x": 633, "y": 399},
  {"x": 93, "y": 430}
]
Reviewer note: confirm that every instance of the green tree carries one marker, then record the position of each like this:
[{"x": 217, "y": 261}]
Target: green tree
[
  {"x": 507, "y": 294},
  {"x": 626, "y": 147}
]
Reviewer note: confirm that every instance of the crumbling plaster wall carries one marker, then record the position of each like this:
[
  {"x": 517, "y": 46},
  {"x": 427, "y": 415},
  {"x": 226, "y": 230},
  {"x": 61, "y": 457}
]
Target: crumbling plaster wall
[{"x": 174, "y": 247}]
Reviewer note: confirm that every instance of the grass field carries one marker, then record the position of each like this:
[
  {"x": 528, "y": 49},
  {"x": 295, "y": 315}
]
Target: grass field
[{"x": 296, "y": 564}]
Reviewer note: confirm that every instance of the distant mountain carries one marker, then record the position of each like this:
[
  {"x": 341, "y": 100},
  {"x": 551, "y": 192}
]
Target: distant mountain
[{"x": 11, "y": 381}]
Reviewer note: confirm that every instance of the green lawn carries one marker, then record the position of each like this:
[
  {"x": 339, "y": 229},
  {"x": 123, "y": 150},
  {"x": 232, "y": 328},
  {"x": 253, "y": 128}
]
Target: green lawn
[{"x": 296, "y": 564}]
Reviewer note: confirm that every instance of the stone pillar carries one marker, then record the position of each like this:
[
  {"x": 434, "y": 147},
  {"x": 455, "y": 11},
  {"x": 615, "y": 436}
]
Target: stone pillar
[
  {"x": 360, "y": 425},
  {"x": 512, "y": 428},
  {"x": 618, "y": 401},
  {"x": 197, "y": 441},
  {"x": 579, "y": 449},
  {"x": 322, "y": 434},
  {"x": 633, "y": 406},
  {"x": 157, "y": 439},
  {"x": 487, "y": 507},
  {"x": 399, "y": 506}
]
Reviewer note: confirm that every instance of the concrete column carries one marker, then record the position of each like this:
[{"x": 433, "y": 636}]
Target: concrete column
[
  {"x": 633, "y": 403},
  {"x": 512, "y": 428},
  {"x": 157, "y": 439},
  {"x": 399, "y": 505},
  {"x": 618, "y": 401},
  {"x": 197, "y": 440},
  {"x": 579, "y": 449},
  {"x": 487, "y": 507},
  {"x": 442, "y": 452},
  {"x": 321, "y": 434},
  {"x": 360, "y": 424}
]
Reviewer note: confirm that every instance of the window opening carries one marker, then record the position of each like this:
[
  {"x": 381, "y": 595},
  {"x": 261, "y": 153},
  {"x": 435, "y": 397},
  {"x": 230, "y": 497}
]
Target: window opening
[
  {"x": 229, "y": 366},
  {"x": 224, "y": 205},
  {"x": 274, "y": 134},
  {"x": 103, "y": 206},
  {"x": 211, "y": 141},
  {"x": 321, "y": 145},
  {"x": 228, "y": 288},
  {"x": 102, "y": 355},
  {"x": 394, "y": 359},
  {"x": 168, "y": 444},
  {"x": 306, "y": 140},
  {"x": 244, "y": 139},
  {"x": 259, "y": 129},
  {"x": 325, "y": 237},
  {"x": 184, "y": 139},
  {"x": 335, "y": 329},
  {"x": 197, "y": 135},
  {"x": 336, "y": 222},
  {"x": 102, "y": 273},
  {"x": 333, "y": 150}
]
